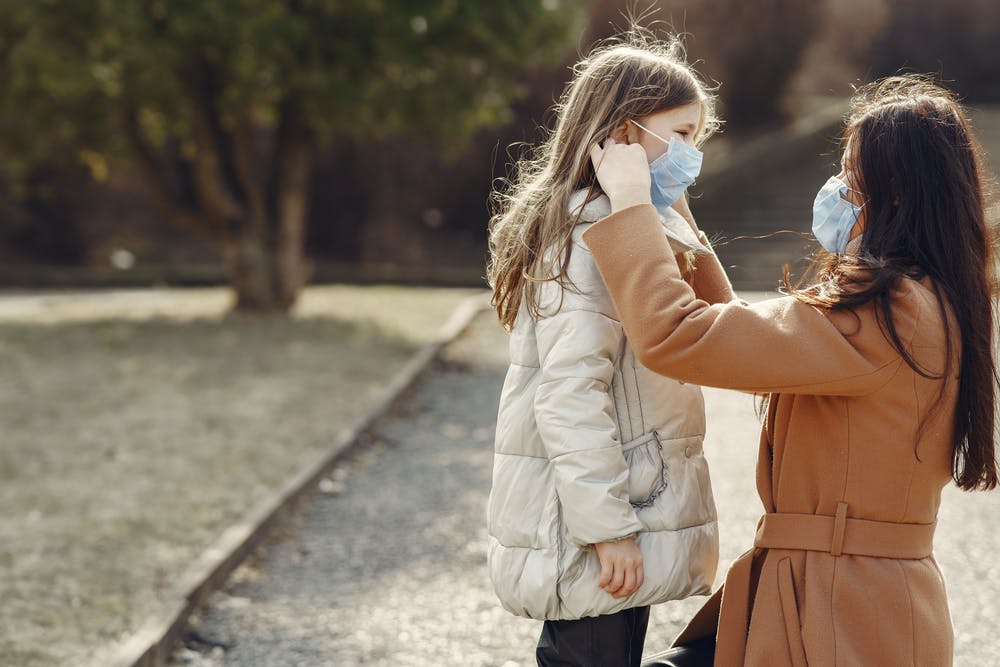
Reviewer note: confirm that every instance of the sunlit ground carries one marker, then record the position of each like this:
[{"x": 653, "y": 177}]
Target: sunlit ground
[{"x": 139, "y": 425}]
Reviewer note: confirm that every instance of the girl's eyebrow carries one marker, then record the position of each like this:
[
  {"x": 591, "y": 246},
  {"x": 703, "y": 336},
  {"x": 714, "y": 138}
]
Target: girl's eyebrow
[{"x": 689, "y": 126}]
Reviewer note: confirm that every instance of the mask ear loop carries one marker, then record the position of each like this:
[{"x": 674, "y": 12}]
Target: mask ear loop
[
  {"x": 649, "y": 131},
  {"x": 843, "y": 195}
]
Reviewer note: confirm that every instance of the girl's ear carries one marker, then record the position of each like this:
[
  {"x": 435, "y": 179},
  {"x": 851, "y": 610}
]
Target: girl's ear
[{"x": 624, "y": 134}]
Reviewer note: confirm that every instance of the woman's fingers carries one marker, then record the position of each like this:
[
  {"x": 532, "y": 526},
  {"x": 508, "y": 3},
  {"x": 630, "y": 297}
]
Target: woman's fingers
[
  {"x": 597, "y": 152},
  {"x": 622, "y": 171}
]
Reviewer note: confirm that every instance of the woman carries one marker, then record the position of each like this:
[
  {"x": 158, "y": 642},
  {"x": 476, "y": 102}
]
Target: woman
[{"x": 880, "y": 379}]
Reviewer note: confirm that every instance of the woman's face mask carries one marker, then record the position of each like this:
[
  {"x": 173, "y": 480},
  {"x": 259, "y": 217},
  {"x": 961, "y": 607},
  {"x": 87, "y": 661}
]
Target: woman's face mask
[
  {"x": 834, "y": 216},
  {"x": 672, "y": 172}
]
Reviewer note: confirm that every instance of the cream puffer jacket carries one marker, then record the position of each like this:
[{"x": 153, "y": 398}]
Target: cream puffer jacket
[{"x": 590, "y": 447}]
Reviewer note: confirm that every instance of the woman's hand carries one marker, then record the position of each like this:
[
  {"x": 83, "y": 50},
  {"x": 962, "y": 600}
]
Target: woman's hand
[
  {"x": 621, "y": 567},
  {"x": 623, "y": 172}
]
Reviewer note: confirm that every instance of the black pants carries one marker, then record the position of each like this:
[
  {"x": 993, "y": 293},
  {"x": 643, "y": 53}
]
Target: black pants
[{"x": 614, "y": 640}]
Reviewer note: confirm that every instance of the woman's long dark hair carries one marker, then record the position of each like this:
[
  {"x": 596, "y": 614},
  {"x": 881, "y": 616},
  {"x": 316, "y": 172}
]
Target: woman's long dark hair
[{"x": 920, "y": 172}]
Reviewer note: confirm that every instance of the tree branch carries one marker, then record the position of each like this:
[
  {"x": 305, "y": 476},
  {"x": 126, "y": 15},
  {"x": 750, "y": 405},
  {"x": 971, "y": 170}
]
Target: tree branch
[
  {"x": 246, "y": 161},
  {"x": 289, "y": 193},
  {"x": 212, "y": 144},
  {"x": 165, "y": 194},
  {"x": 292, "y": 153}
]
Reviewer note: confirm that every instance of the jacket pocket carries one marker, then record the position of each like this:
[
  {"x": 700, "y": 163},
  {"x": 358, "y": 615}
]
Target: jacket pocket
[
  {"x": 790, "y": 612},
  {"x": 647, "y": 471}
]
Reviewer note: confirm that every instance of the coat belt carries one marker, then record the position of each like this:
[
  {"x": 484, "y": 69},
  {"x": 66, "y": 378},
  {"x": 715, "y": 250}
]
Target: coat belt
[
  {"x": 728, "y": 609},
  {"x": 840, "y": 535}
]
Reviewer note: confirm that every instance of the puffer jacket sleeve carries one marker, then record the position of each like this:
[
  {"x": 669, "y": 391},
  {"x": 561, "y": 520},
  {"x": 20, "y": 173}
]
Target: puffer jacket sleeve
[{"x": 577, "y": 348}]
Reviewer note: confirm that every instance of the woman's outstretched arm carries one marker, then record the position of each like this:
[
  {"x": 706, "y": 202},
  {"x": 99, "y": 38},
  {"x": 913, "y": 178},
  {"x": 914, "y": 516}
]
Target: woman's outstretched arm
[
  {"x": 709, "y": 279},
  {"x": 779, "y": 345}
]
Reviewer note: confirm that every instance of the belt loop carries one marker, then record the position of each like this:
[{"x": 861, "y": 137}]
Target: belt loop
[{"x": 837, "y": 544}]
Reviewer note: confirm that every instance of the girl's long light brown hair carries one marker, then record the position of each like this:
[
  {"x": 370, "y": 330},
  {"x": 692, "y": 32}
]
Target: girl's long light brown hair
[{"x": 627, "y": 78}]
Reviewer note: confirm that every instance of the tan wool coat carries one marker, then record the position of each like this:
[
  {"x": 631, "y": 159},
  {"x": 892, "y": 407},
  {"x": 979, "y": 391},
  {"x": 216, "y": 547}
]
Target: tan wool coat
[{"x": 853, "y": 456}]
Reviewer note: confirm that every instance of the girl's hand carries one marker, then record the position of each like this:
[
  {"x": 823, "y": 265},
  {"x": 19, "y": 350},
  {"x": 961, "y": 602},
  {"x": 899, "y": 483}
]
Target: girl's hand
[
  {"x": 621, "y": 567},
  {"x": 623, "y": 172}
]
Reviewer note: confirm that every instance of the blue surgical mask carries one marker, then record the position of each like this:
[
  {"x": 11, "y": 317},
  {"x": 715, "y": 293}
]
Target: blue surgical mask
[
  {"x": 834, "y": 216},
  {"x": 672, "y": 173}
]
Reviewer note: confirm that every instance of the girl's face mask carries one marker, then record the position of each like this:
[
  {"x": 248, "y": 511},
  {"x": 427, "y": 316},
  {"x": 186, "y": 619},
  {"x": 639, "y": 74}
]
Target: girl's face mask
[
  {"x": 834, "y": 216},
  {"x": 672, "y": 172}
]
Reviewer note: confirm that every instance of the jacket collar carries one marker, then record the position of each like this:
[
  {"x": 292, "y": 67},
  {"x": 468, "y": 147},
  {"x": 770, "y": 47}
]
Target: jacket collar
[
  {"x": 593, "y": 210},
  {"x": 676, "y": 227}
]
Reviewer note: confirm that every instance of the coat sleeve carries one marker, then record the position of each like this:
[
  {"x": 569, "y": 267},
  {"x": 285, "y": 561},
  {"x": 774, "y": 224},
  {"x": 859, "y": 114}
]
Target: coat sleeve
[
  {"x": 779, "y": 345},
  {"x": 575, "y": 417},
  {"x": 708, "y": 278},
  {"x": 710, "y": 282}
]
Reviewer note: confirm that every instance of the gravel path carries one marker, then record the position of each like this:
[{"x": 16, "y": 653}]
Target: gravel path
[{"x": 387, "y": 565}]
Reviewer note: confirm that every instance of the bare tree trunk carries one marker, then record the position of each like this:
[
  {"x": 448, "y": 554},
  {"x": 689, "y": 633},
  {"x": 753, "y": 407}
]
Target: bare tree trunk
[
  {"x": 257, "y": 217},
  {"x": 248, "y": 255},
  {"x": 267, "y": 274},
  {"x": 292, "y": 163},
  {"x": 265, "y": 255},
  {"x": 248, "y": 266}
]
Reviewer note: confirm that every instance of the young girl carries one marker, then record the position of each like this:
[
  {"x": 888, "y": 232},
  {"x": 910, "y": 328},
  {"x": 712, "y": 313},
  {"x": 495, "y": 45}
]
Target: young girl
[
  {"x": 601, "y": 503},
  {"x": 881, "y": 382}
]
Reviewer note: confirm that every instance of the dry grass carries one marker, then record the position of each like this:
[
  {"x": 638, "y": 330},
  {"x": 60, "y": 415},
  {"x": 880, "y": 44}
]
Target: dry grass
[{"x": 137, "y": 426}]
